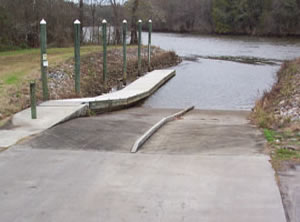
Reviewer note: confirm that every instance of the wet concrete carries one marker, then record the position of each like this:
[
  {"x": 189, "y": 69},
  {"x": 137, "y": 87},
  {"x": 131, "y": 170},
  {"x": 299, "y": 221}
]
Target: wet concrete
[{"x": 116, "y": 131}]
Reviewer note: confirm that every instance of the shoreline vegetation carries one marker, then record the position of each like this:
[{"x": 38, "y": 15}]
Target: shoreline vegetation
[
  {"x": 14, "y": 84},
  {"x": 278, "y": 114},
  {"x": 218, "y": 17}
]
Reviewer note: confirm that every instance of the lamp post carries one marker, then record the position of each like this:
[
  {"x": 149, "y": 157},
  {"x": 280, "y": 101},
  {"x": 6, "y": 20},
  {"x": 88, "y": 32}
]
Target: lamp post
[
  {"x": 44, "y": 60},
  {"x": 77, "y": 56}
]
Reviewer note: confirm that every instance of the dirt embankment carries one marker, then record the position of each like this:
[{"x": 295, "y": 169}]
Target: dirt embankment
[
  {"x": 61, "y": 78},
  {"x": 280, "y": 108},
  {"x": 278, "y": 112},
  {"x": 92, "y": 75}
]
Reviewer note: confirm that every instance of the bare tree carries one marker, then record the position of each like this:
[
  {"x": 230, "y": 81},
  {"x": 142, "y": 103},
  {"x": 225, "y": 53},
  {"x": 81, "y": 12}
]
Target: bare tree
[
  {"x": 93, "y": 4},
  {"x": 135, "y": 6},
  {"x": 81, "y": 18},
  {"x": 19, "y": 19},
  {"x": 117, "y": 18}
]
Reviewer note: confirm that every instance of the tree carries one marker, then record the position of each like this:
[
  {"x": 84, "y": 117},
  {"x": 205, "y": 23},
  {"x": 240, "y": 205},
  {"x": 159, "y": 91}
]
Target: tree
[
  {"x": 223, "y": 15},
  {"x": 118, "y": 14},
  {"x": 138, "y": 9},
  {"x": 21, "y": 21},
  {"x": 237, "y": 16},
  {"x": 81, "y": 18},
  {"x": 93, "y": 6},
  {"x": 135, "y": 6},
  {"x": 287, "y": 15}
]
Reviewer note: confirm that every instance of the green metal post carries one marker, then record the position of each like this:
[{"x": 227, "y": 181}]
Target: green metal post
[
  {"x": 33, "y": 100},
  {"x": 124, "y": 52},
  {"x": 77, "y": 56},
  {"x": 44, "y": 61},
  {"x": 139, "y": 47},
  {"x": 149, "y": 45},
  {"x": 104, "y": 36}
]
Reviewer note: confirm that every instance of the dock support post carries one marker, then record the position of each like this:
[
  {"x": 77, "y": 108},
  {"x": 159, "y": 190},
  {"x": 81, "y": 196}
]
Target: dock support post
[
  {"x": 33, "y": 99},
  {"x": 124, "y": 52},
  {"x": 104, "y": 41},
  {"x": 44, "y": 61},
  {"x": 77, "y": 56},
  {"x": 149, "y": 45},
  {"x": 139, "y": 48}
]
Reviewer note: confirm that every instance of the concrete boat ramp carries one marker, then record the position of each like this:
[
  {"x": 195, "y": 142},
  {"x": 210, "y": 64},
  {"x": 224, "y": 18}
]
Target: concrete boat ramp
[
  {"x": 51, "y": 113},
  {"x": 204, "y": 166}
]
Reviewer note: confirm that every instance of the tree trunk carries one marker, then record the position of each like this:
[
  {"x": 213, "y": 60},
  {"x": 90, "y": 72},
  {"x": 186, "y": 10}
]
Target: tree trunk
[
  {"x": 81, "y": 19},
  {"x": 134, "y": 38},
  {"x": 116, "y": 22}
]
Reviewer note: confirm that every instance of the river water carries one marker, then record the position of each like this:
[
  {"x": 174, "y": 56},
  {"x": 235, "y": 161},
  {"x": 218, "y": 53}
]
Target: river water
[{"x": 207, "y": 81}]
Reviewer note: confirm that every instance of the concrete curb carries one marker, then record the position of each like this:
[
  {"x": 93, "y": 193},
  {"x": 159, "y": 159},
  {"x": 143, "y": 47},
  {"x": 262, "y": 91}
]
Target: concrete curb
[
  {"x": 156, "y": 127},
  {"x": 133, "y": 97}
]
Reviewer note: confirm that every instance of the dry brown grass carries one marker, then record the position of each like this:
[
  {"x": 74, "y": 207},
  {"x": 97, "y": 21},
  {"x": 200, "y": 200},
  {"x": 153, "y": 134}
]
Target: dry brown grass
[
  {"x": 282, "y": 134},
  {"x": 17, "y": 68},
  {"x": 92, "y": 76},
  {"x": 266, "y": 111}
]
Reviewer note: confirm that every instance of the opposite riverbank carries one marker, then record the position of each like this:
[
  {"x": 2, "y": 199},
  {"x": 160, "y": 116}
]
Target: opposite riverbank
[{"x": 14, "y": 87}]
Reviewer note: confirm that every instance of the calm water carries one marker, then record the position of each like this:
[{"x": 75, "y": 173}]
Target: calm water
[{"x": 216, "y": 84}]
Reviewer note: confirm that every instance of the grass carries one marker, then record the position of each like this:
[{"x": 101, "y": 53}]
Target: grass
[
  {"x": 18, "y": 67},
  {"x": 18, "y": 52},
  {"x": 269, "y": 135},
  {"x": 267, "y": 111},
  {"x": 280, "y": 143},
  {"x": 263, "y": 118},
  {"x": 285, "y": 154},
  {"x": 281, "y": 132},
  {"x": 12, "y": 79},
  {"x": 281, "y": 158}
]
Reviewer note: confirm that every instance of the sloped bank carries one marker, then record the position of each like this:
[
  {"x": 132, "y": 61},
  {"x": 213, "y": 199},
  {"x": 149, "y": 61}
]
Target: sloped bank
[
  {"x": 280, "y": 108},
  {"x": 278, "y": 113},
  {"x": 61, "y": 77},
  {"x": 92, "y": 75}
]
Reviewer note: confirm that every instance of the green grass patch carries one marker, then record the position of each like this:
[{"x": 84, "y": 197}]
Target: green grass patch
[
  {"x": 11, "y": 80},
  {"x": 285, "y": 154},
  {"x": 15, "y": 64},
  {"x": 70, "y": 50},
  {"x": 270, "y": 135},
  {"x": 20, "y": 52}
]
